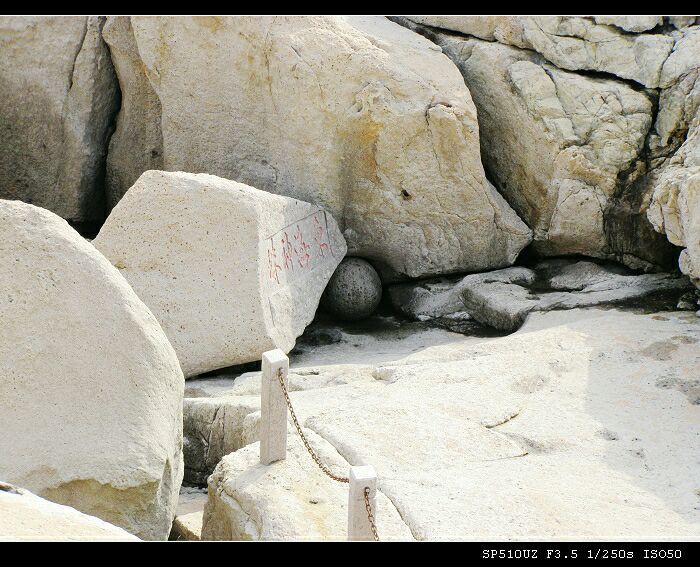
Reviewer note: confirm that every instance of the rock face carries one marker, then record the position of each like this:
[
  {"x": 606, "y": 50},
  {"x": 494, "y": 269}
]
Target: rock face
[
  {"x": 59, "y": 96},
  {"x": 675, "y": 206},
  {"x": 357, "y": 115},
  {"x": 574, "y": 43},
  {"x": 250, "y": 501},
  {"x": 91, "y": 389},
  {"x": 426, "y": 300},
  {"x": 26, "y": 517},
  {"x": 229, "y": 271},
  {"x": 499, "y": 299},
  {"x": 502, "y": 299},
  {"x": 137, "y": 143},
  {"x": 557, "y": 143},
  {"x": 630, "y": 23},
  {"x": 354, "y": 291}
]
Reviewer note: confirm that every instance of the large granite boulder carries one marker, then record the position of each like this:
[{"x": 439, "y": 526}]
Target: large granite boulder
[
  {"x": 60, "y": 95},
  {"x": 357, "y": 115},
  {"x": 26, "y": 517},
  {"x": 229, "y": 271},
  {"x": 91, "y": 389}
]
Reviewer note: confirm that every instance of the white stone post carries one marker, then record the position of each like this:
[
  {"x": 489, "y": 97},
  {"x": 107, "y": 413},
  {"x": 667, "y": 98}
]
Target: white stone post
[
  {"x": 359, "y": 528},
  {"x": 273, "y": 408}
]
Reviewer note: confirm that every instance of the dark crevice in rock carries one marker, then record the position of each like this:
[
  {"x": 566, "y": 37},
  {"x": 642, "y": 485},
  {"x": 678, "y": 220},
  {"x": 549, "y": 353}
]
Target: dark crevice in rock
[
  {"x": 630, "y": 236},
  {"x": 77, "y": 54},
  {"x": 111, "y": 128}
]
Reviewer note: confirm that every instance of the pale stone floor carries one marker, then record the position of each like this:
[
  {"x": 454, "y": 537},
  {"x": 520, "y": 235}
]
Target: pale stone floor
[{"x": 583, "y": 424}]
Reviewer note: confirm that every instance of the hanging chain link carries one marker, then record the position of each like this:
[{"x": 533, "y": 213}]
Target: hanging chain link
[
  {"x": 370, "y": 516},
  {"x": 317, "y": 459},
  {"x": 313, "y": 454}
]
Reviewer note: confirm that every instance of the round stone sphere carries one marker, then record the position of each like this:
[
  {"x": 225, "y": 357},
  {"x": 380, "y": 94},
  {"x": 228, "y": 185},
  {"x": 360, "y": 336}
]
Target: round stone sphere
[{"x": 354, "y": 291}]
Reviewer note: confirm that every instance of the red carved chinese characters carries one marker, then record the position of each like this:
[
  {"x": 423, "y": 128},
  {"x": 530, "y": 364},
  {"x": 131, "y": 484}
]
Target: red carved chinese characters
[
  {"x": 287, "y": 253},
  {"x": 322, "y": 247},
  {"x": 273, "y": 266},
  {"x": 302, "y": 249},
  {"x": 309, "y": 244}
]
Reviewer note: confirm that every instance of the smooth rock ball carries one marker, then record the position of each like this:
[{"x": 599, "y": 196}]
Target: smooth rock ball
[{"x": 354, "y": 291}]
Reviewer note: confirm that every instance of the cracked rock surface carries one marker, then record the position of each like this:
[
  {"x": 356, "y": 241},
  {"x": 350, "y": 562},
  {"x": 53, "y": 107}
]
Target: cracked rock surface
[
  {"x": 502, "y": 299},
  {"x": 575, "y": 43},
  {"x": 675, "y": 203},
  {"x": 570, "y": 133},
  {"x": 589, "y": 438},
  {"x": 557, "y": 143}
]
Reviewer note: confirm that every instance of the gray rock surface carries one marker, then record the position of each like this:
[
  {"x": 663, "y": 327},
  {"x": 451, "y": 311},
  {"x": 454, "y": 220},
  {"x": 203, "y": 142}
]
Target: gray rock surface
[
  {"x": 503, "y": 299},
  {"x": 354, "y": 290},
  {"x": 499, "y": 299},
  {"x": 60, "y": 96},
  {"x": 426, "y": 300}
]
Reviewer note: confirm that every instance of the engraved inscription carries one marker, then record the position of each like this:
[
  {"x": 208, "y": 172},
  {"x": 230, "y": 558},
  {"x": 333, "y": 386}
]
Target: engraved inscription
[{"x": 298, "y": 248}]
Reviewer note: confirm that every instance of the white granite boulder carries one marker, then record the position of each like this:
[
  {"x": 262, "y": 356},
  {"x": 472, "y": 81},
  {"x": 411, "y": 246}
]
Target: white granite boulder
[
  {"x": 229, "y": 271},
  {"x": 357, "y": 115},
  {"x": 91, "y": 390},
  {"x": 59, "y": 97}
]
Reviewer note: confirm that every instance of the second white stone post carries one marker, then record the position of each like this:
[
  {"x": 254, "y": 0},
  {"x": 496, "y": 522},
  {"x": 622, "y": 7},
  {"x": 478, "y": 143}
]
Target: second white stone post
[
  {"x": 273, "y": 407},
  {"x": 359, "y": 526}
]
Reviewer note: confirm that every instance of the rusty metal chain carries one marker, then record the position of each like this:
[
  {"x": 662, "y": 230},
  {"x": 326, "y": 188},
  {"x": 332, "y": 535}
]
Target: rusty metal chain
[
  {"x": 317, "y": 459},
  {"x": 313, "y": 454},
  {"x": 370, "y": 516}
]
